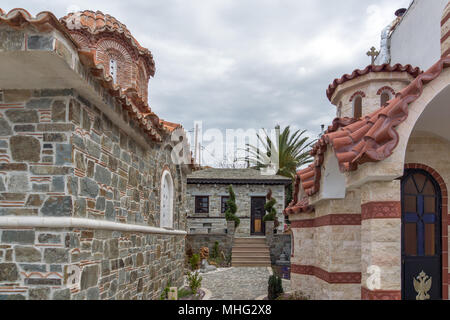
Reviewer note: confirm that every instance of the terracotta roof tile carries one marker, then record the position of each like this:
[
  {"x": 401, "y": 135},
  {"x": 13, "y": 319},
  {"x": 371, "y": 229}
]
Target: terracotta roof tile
[
  {"x": 369, "y": 139},
  {"x": 414, "y": 71},
  {"x": 170, "y": 126},
  {"x": 43, "y": 21},
  {"x": 97, "y": 22},
  {"x": 136, "y": 107}
]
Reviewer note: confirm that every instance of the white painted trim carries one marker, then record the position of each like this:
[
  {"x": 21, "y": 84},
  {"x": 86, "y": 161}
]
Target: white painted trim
[
  {"x": 56, "y": 222},
  {"x": 166, "y": 175}
]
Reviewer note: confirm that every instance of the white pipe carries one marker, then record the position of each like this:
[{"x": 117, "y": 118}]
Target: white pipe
[{"x": 56, "y": 222}]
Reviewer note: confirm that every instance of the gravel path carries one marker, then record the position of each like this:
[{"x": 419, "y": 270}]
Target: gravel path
[{"x": 238, "y": 283}]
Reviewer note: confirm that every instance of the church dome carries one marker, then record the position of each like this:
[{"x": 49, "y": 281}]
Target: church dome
[
  {"x": 113, "y": 48},
  {"x": 363, "y": 91}
]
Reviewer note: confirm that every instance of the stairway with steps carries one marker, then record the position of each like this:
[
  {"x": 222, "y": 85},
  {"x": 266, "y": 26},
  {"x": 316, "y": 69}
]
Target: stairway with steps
[{"x": 250, "y": 252}]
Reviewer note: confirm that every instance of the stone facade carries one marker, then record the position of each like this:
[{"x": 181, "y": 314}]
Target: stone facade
[
  {"x": 80, "y": 177},
  {"x": 63, "y": 158},
  {"x": 215, "y": 220},
  {"x": 197, "y": 241}
]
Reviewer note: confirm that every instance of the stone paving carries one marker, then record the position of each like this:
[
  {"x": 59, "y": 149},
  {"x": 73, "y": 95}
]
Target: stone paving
[{"x": 238, "y": 283}]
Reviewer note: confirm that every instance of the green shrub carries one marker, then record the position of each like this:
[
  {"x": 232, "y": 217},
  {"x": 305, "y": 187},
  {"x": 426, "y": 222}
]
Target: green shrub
[
  {"x": 271, "y": 212},
  {"x": 215, "y": 251},
  {"x": 230, "y": 212},
  {"x": 184, "y": 293},
  {"x": 275, "y": 288},
  {"x": 165, "y": 292},
  {"x": 194, "y": 261},
  {"x": 195, "y": 281}
]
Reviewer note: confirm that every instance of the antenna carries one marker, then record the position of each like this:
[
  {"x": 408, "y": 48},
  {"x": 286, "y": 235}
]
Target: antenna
[{"x": 195, "y": 142}]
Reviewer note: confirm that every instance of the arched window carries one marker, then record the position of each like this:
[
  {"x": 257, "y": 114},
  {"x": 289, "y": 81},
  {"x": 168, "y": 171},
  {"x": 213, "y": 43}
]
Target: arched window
[
  {"x": 113, "y": 69},
  {"x": 357, "y": 107},
  {"x": 384, "y": 98},
  {"x": 166, "y": 215}
]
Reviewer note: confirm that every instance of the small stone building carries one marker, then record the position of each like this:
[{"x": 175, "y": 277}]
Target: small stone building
[
  {"x": 92, "y": 204},
  {"x": 207, "y": 194},
  {"x": 369, "y": 218}
]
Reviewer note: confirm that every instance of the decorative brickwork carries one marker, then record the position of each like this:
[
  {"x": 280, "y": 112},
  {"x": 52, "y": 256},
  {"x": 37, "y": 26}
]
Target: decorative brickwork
[
  {"x": 109, "y": 39},
  {"x": 367, "y": 294},
  {"x": 329, "y": 220},
  {"x": 381, "y": 210},
  {"x": 386, "y": 89},
  {"x": 357, "y": 93},
  {"x": 329, "y": 277}
]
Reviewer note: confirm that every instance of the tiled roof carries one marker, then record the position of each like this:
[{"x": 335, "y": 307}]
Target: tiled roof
[
  {"x": 301, "y": 206},
  {"x": 369, "y": 139},
  {"x": 96, "y": 22},
  {"x": 170, "y": 126},
  {"x": 371, "y": 68},
  {"x": 234, "y": 174},
  {"x": 43, "y": 21},
  {"x": 137, "y": 108}
]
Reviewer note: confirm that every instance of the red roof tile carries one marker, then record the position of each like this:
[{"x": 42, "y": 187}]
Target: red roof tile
[
  {"x": 369, "y": 139},
  {"x": 96, "y": 22},
  {"x": 130, "y": 101},
  {"x": 43, "y": 21},
  {"x": 170, "y": 126},
  {"x": 371, "y": 68}
]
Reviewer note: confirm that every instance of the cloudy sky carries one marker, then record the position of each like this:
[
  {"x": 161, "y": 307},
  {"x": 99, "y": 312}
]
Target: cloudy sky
[{"x": 244, "y": 63}]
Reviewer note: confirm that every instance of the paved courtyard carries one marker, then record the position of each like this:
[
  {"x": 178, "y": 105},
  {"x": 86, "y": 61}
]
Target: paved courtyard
[{"x": 238, "y": 283}]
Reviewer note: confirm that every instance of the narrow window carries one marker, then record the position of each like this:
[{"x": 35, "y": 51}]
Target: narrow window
[
  {"x": 357, "y": 107},
  {"x": 201, "y": 204},
  {"x": 223, "y": 204},
  {"x": 384, "y": 98},
  {"x": 339, "y": 110},
  {"x": 113, "y": 70}
]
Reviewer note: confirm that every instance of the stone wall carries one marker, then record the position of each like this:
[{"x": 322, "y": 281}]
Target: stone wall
[
  {"x": 327, "y": 249},
  {"x": 279, "y": 243},
  {"x": 243, "y": 201},
  {"x": 196, "y": 241},
  {"x": 61, "y": 157}
]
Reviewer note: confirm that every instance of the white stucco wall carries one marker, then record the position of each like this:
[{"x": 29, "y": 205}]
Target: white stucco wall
[{"x": 416, "y": 40}]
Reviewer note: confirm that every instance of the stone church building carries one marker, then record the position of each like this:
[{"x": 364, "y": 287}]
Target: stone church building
[
  {"x": 92, "y": 202},
  {"x": 370, "y": 215}
]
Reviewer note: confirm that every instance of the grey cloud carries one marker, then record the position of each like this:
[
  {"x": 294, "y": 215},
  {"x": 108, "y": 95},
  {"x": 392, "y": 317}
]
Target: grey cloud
[{"x": 232, "y": 63}]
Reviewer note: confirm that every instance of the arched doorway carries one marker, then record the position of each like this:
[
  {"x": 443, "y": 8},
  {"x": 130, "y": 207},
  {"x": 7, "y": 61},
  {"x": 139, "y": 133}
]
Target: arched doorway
[
  {"x": 421, "y": 236},
  {"x": 166, "y": 215}
]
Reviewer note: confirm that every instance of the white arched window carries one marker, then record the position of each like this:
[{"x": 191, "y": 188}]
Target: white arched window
[{"x": 166, "y": 215}]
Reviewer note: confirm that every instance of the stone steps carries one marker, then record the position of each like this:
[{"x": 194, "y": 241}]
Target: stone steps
[{"x": 250, "y": 252}]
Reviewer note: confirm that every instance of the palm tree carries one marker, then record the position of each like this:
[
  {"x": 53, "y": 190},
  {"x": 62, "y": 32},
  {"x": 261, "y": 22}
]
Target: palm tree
[{"x": 290, "y": 151}]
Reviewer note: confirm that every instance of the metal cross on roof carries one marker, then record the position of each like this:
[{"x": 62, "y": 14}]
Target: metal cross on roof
[{"x": 373, "y": 53}]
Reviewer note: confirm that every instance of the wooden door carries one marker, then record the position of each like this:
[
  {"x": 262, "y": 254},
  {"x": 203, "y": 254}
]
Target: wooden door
[{"x": 257, "y": 227}]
